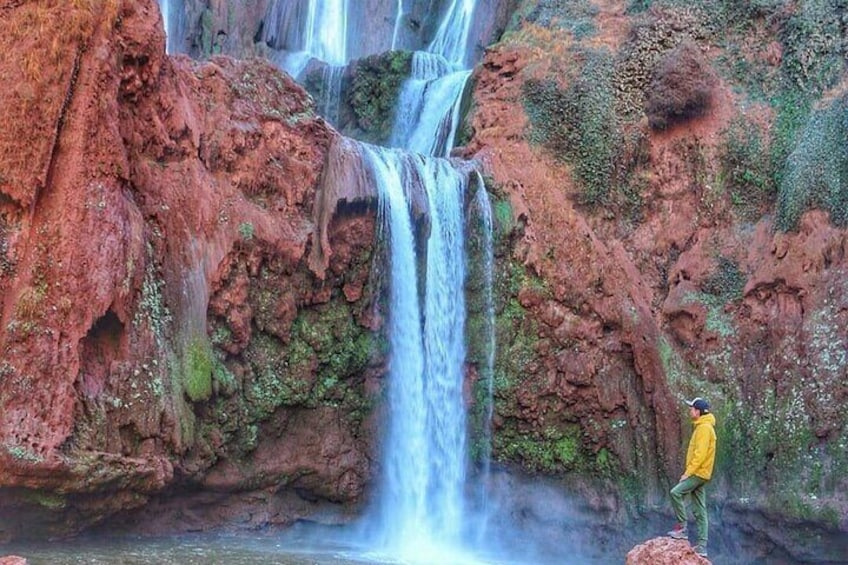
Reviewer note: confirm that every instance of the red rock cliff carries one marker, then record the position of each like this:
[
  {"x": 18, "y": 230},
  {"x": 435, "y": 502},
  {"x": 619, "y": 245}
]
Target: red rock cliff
[{"x": 151, "y": 207}]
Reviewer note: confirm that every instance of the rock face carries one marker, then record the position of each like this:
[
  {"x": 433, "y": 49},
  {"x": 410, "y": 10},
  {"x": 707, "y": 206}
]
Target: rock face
[{"x": 155, "y": 222}]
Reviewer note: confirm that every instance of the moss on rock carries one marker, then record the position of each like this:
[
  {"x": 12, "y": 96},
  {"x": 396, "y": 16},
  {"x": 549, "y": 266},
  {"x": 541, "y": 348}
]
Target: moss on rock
[
  {"x": 374, "y": 93},
  {"x": 197, "y": 369}
]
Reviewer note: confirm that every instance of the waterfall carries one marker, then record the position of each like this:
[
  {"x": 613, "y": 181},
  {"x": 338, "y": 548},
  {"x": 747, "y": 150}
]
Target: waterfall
[
  {"x": 484, "y": 209},
  {"x": 422, "y": 499},
  {"x": 428, "y": 107},
  {"x": 420, "y": 509},
  {"x": 317, "y": 29},
  {"x": 451, "y": 41}
]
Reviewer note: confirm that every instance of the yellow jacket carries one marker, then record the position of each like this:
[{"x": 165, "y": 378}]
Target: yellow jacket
[{"x": 700, "y": 456}]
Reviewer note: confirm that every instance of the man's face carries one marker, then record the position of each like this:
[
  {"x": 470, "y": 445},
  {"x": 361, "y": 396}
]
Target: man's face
[{"x": 694, "y": 413}]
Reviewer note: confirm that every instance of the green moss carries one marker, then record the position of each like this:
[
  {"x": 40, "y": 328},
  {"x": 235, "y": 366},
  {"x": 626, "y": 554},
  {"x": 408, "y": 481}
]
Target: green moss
[
  {"x": 675, "y": 368},
  {"x": 246, "y": 231},
  {"x": 551, "y": 451},
  {"x": 746, "y": 169},
  {"x": 151, "y": 309},
  {"x": 325, "y": 350},
  {"x": 816, "y": 172},
  {"x": 727, "y": 282},
  {"x": 374, "y": 92},
  {"x": 48, "y": 500},
  {"x": 197, "y": 369},
  {"x": 224, "y": 381},
  {"x": 575, "y": 16},
  {"x": 23, "y": 454},
  {"x": 815, "y": 45}
]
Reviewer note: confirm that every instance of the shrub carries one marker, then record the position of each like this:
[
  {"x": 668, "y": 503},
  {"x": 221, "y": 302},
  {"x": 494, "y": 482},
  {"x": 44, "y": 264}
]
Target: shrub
[
  {"x": 681, "y": 88},
  {"x": 727, "y": 282},
  {"x": 575, "y": 16},
  {"x": 816, "y": 44},
  {"x": 654, "y": 34},
  {"x": 374, "y": 92}
]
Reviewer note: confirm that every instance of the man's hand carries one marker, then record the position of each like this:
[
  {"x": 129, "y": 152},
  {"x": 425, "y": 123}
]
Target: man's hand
[{"x": 683, "y": 477}]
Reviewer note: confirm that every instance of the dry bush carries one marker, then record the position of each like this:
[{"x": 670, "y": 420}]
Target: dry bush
[{"x": 681, "y": 87}]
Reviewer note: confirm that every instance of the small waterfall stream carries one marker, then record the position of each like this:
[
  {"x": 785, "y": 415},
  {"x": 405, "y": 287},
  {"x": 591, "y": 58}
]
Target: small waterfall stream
[
  {"x": 174, "y": 20},
  {"x": 428, "y": 109},
  {"x": 317, "y": 29},
  {"x": 451, "y": 41},
  {"x": 484, "y": 212}
]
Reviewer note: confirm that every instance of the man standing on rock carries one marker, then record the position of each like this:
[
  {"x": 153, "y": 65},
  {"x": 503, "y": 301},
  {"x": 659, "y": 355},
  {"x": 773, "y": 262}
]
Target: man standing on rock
[{"x": 700, "y": 458}]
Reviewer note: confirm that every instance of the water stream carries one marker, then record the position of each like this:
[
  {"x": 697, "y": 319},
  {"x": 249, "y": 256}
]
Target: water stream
[
  {"x": 483, "y": 209},
  {"x": 422, "y": 504},
  {"x": 317, "y": 29},
  {"x": 174, "y": 20}
]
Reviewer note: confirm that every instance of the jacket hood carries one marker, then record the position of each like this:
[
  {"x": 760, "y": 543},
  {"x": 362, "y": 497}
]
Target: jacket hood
[{"x": 705, "y": 419}]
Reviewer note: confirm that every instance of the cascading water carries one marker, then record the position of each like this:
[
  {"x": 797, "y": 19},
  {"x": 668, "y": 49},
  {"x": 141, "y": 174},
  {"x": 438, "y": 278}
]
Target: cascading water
[
  {"x": 451, "y": 41},
  {"x": 423, "y": 515},
  {"x": 316, "y": 29},
  {"x": 428, "y": 108},
  {"x": 421, "y": 510},
  {"x": 422, "y": 506}
]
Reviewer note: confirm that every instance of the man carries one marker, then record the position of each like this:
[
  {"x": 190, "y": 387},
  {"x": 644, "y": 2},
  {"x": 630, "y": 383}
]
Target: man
[{"x": 700, "y": 459}]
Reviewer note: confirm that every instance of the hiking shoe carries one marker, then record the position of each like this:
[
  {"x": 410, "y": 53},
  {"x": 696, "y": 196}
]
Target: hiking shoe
[
  {"x": 700, "y": 550},
  {"x": 678, "y": 532}
]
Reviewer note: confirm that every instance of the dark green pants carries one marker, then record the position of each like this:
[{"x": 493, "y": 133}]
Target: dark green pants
[{"x": 694, "y": 489}]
